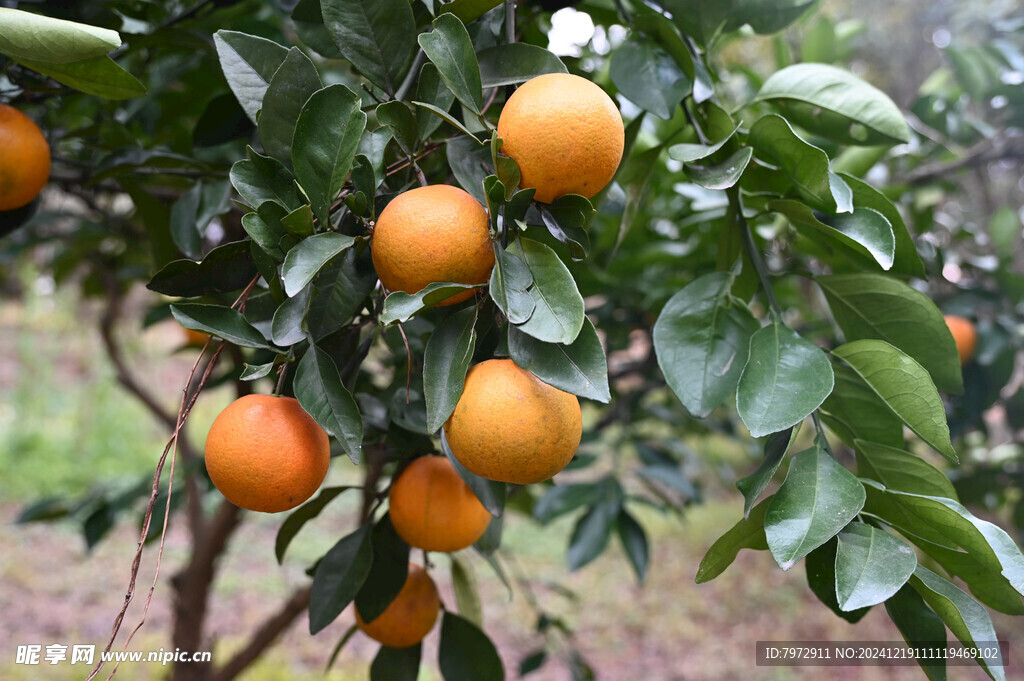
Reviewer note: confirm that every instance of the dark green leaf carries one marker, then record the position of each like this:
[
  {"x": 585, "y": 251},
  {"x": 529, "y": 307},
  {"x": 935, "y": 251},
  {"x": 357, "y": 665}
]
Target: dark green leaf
[
  {"x": 305, "y": 260},
  {"x": 387, "y": 575},
  {"x": 820, "y": 566},
  {"x": 490, "y": 492},
  {"x": 579, "y": 368},
  {"x": 375, "y": 35},
  {"x": 532, "y": 662},
  {"x": 184, "y": 212},
  {"x": 755, "y": 484},
  {"x": 516, "y": 63},
  {"x": 468, "y": 10},
  {"x": 634, "y": 543},
  {"x": 593, "y": 530},
  {"x": 510, "y": 286},
  {"x": 220, "y": 321},
  {"x": 920, "y": 626},
  {"x": 400, "y": 306},
  {"x": 871, "y": 566},
  {"x": 299, "y": 222},
  {"x": 338, "y": 578},
  {"x": 558, "y": 313},
  {"x": 445, "y": 363},
  {"x": 327, "y": 134},
  {"x": 396, "y": 664},
  {"x": 817, "y": 499},
  {"x": 300, "y": 516},
  {"x": 99, "y": 76},
  {"x": 748, "y": 533},
  {"x": 906, "y": 260},
  {"x": 321, "y": 393},
  {"x": 432, "y": 90},
  {"x": 260, "y": 179},
  {"x": 341, "y": 289},
  {"x": 248, "y": 62},
  {"x": 467, "y": 596},
  {"x": 401, "y": 121},
  {"x": 267, "y": 234},
  {"x": 470, "y": 163},
  {"x": 465, "y": 652},
  {"x": 901, "y": 471},
  {"x": 865, "y": 236},
  {"x": 648, "y": 76},
  {"x": 561, "y": 499},
  {"x": 702, "y": 340},
  {"x": 293, "y": 83},
  {"x": 567, "y": 218},
  {"x": 224, "y": 269},
  {"x": 309, "y": 25},
  {"x": 904, "y": 386},
  {"x": 784, "y": 380},
  {"x": 854, "y": 411},
  {"x": 287, "y": 326},
  {"x": 450, "y": 49},
  {"x": 722, "y": 175}
]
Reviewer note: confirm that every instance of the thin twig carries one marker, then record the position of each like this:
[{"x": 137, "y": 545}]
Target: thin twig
[{"x": 408, "y": 353}]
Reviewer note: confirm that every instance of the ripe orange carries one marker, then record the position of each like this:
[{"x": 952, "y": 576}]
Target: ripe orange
[
  {"x": 433, "y": 509},
  {"x": 434, "y": 233},
  {"x": 512, "y": 427},
  {"x": 195, "y": 338},
  {"x": 410, "y": 616},
  {"x": 565, "y": 133},
  {"x": 266, "y": 453},
  {"x": 965, "y": 335},
  {"x": 24, "y": 159}
]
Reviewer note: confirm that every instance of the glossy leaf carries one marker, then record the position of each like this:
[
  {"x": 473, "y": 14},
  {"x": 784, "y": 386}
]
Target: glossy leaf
[
  {"x": 468, "y": 10},
  {"x": 702, "y": 340},
  {"x": 338, "y": 578},
  {"x": 99, "y": 76},
  {"x": 491, "y": 493},
  {"x": 687, "y": 153},
  {"x": 754, "y": 485},
  {"x": 784, "y": 380},
  {"x": 287, "y": 326},
  {"x": 224, "y": 269},
  {"x": 748, "y": 533},
  {"x": 292, "y": 84},
  {"x": 919, "y": 626},
  {"x": 220, "y": 321},
  {"x": 854, "y": 411},
  {"x": 648, "y": 76},
  {"x": 820, "y": 568},
  {"x": 567, "y": 218},
  {"x": 261, "y": 179},
  {"x": 835, "y": 104},
  {"x": 184, "y": 213},
  {"x": 304, "y": 261},
  {"x": 321, "y": 393},
  {"x": 904, "y": 386},
  {"x": 510, "y": 285},
  {"x": 36, "y": 37},
  {"x": 868, "y": 305},
  {"x": 450, "y": 49},
  {"x": 340, "y": 292},
  {"x": 377, "y": 36},
  {"x": 579, "y": 368},
  {"x": 327, "y": 135},
  {"x": 906, "y": 260},
  {"x": 446, "y": 360},
  {"x": 513, "y": 63},
  {"x": 818, "y": 498},
  {"x": 722, "y": 175},
  {"x": 396, "y": 664},
  {"x": 901, "y": 471},
  {"x": 400, "y": 306},
  {"x": 871, "y": 566},
  {"x": 248, "y": 62},
  {"x": 466, "y": 653},
  {"x": 388, "y": 573},
  {"x": 558, "y": 313},
  {"x": 302, "y": 515},
  {"x": 865, "y": 236},
  {"x": 401, "y": 121},
  {"x": 431, "y": 90}
]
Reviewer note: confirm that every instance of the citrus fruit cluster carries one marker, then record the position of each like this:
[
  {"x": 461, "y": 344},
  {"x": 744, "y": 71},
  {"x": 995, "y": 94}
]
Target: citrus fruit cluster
[{"x": 24, "y": 159}]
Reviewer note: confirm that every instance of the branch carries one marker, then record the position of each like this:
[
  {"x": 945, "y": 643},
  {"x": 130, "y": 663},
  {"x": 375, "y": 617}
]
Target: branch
[{"x": 980, "y": 154}]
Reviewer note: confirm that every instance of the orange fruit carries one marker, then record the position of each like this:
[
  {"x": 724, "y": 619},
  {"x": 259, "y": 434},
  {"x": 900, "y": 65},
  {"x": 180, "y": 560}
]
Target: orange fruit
[
  {"x": 195, "y": 338},
  {"x": 965, "y": 335},
  {"x": 433, "y": 509},
  {"x": 266, "y": 453},
  {"x": 434, "y": 233},
  {"x": 511, "y": 426},
  {"x": 410, "y": 616},
  {"x": 24, "y": 159},
  {"x": 565, "y": 133}
]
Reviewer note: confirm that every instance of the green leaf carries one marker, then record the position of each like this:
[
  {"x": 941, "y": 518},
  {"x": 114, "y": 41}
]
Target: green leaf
[
  {"x": 803, "y": 163},
  {"x": 532, "y": 662},
  {"x": 688, "y": 153},
  {"x": 561, "y": 499},
  {"x": 566, "y": 218},
  {"x": 579, "y": 368},
  {"x": 35, "y": 37},
  {"x": 964, "y": 616},
  {"x": 466, "y": 653},
  {"x": 248, "y": 62},
  {"x": 450, "y": 49},
  {"x": 835, "y": 104},
  {"x": 722, "y": 175},
  {"x": 400, "y": 306},
  {"x": 431, "y": 90},
  {"x": 558, "y": 313},
  {"x": 820, "y": 567},
  {"x": 303, "y": 514},
  {"x": 287, "y": 326},
  {"x": 321, "y": 393},
  {"x": 491, "y": 493},
  {"x": 647, "y": 75},
  {"x": 341, "y": 291},
  {"x": 252, "y": 372},
  {"x": 396, "y": 664},
  {"x": 401, "y": 121},
  {"x": 261, "y": 179},
  {"x": 224, "y": 269},
  {"x": 865, "y": 236},
  {"x": 920, "y": 626},
  {"x": 871, "y": 305},
  {"x": 468, "y": 10},
  {"x": 748, "y": 533},
  {"x": 901, "y": 471},
  {"x": 467, "y": 595},
  {"x": 904, "y": 386},
  {"x": 183, "y": 216},
  {"x": 327, "y": 134},
  {"x": 593, "y": 530},
  {"x": 906, "y": 260},
  {"x": 99, "y": 76},
  {"x": 446, "y": 360},
  {"x": 291, "y": 86},
  {"x": 784, "y": 380},
  {"x": 338, "y": 578},
  {"x": 311, "y": 255},
  {"x": 387, "y": 575},
  {"x": 309, "y": 25},
  {"x": 871, "y": 566},
  {"x": 702, "y": 340},
  {"x": 817, "y": 499},
  {"x": 634, "y": 543},
  {"x": 510, "y": 286},
  {"x": 513, "y": 63},
  {"x": 853, "y": 410},
  {"x": 375, "y": 35},
  {"x": 754, "y": 485},
  {"x": 267, "y": 234},
  {"x": 766, "y": 16},
  {"x": 220, "y": 321}
]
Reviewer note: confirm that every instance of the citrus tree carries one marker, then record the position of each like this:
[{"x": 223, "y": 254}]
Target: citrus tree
[{"x": 419, "y": 240}]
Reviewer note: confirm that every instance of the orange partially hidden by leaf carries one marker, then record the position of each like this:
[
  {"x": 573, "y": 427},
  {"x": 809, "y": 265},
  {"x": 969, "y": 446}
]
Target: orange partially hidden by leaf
[
  {"x": 410, "y": 616},
  {"x": 195, "y": 338},
  {"x": 266, "y": 453},
  {"x": 433, "y": 509},
  {"x": 565, "y": 133},
  {"x": 965, "y": 335},
  {"x": 430, "y": 234},
  {"x": 24, "y": 159}
]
